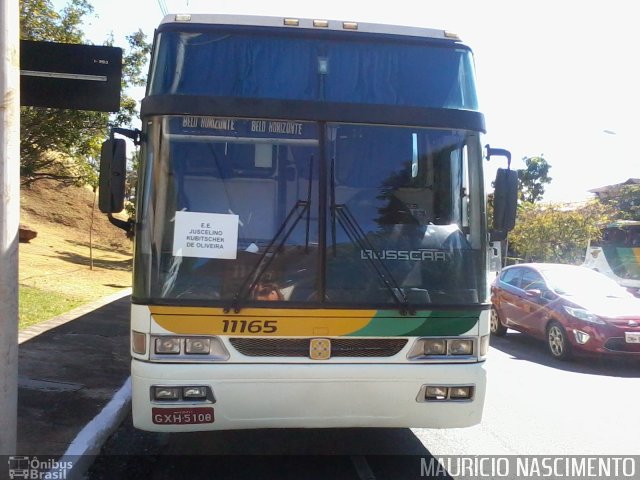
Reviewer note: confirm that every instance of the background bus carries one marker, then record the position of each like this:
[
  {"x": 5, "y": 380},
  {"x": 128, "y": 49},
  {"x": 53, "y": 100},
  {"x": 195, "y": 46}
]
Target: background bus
[
  {"x": 617, "y": 254},
  {"x": 311, "y": 238}
]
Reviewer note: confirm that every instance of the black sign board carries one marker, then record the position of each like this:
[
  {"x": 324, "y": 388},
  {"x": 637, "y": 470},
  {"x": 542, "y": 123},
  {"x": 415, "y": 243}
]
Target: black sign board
[{"x": 73, "y": 76}]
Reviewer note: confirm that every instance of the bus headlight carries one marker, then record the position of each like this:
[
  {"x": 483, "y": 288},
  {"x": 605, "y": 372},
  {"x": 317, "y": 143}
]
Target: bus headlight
[
  {"x": 172, "y": 348},
  {"x": 443, "y": 349},
  {"x": 460, "y": 347},
  {"x": 167, "y": 345},
  {"x": 198, "y": 346},
  {"x": 435, "y": 347}
]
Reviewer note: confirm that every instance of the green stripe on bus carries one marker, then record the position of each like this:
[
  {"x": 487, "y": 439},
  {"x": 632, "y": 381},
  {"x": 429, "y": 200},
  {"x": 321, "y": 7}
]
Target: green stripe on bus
[{"x": 426, "y": 323}]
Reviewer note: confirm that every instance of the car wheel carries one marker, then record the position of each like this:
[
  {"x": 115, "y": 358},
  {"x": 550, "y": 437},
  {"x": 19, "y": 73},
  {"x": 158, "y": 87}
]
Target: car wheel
[
  {"x": 558, "y": 342},
  {"x": 495, "y": 325}
]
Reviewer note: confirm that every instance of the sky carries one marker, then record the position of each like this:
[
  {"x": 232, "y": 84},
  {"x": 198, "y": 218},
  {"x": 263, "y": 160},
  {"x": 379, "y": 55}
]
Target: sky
[{"x": 555, "y": 78}]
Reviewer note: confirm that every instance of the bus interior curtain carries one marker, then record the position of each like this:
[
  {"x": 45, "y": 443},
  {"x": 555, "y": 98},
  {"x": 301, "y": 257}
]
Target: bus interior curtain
[{"x": 238, "y": 65}]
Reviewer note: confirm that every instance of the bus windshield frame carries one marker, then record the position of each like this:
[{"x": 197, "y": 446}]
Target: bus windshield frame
[{"x": 240, "y": 211}]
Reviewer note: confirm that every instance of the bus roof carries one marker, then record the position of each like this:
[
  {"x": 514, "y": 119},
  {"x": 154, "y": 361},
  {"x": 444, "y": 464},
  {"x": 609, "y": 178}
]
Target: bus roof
[{"x": 307, "y": 23}]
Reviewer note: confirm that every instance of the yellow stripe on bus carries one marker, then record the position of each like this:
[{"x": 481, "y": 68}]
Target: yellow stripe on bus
[{"x": 271, "y": 325}]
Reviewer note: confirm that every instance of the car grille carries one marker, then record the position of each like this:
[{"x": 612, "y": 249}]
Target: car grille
[
  {"x": 299, "y": 347},
  {"x": 618, "y": 344}
]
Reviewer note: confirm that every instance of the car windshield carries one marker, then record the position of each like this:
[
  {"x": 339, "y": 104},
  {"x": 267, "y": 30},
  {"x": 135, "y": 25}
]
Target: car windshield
[{"x": 580, "y": 281}]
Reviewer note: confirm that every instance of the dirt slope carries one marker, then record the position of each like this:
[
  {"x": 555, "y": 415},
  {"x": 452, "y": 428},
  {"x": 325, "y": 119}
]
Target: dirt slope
[{"x": 59, "y": 258}]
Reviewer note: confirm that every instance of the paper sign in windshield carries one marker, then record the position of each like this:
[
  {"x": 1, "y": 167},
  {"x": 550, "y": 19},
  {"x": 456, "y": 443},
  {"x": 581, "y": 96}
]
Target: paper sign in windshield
[{"x": 205, "y": 235}]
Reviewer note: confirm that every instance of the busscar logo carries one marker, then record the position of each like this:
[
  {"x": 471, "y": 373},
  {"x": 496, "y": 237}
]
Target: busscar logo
[
  {"x": 422, "y": 255},
  {"x": 38, "y": 469}
]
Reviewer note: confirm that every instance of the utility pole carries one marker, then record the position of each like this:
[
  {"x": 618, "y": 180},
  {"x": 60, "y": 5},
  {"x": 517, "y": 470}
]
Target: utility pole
[{"x": 9, "y": 221}]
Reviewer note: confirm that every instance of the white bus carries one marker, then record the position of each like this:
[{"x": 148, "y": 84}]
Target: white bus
[
  {"x": 617, "y": 254},
  {"x": 311, "y": 243}
]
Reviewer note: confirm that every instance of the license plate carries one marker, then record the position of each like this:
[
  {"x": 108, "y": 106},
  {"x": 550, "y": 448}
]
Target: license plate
[
  {"x": 632, "y": 337},
  {"x": 182, "y": 416}
]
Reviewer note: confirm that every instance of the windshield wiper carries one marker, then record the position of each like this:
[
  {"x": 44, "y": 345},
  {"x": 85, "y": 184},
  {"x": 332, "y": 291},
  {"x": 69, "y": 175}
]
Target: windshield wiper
[
  {"x": 263, "y": 263},
  {"x": 359, "y": 238}
]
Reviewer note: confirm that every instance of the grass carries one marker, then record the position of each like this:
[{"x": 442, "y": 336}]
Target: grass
[
  {"x": 76, "y": 258},
  {"x": 37, "y": 305}
]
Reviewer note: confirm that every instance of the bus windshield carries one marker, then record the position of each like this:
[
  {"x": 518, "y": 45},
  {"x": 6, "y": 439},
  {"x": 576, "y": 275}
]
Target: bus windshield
[
  {"x": 253, "y": 210},
  {"x": 235, "y": 63}
]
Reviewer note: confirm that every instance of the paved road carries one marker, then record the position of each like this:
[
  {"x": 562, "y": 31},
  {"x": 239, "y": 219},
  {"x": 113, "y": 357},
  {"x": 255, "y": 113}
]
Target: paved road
[
  {"x": 535, "y": 406},
  {"x": 538, "y": 406}
]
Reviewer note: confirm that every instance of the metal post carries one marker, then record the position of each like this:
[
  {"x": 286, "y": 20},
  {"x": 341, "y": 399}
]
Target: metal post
[{"x": 9, "y": 221}]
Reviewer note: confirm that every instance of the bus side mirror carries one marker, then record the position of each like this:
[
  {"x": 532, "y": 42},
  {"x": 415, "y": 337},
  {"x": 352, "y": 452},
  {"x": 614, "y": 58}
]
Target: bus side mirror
[
  {"x": 113, "y": 174},
  {"x": 505, "y": 201}
]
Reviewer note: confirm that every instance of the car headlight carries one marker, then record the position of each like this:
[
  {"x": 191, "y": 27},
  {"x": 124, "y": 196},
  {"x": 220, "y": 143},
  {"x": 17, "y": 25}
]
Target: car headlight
[{"x": 585, "y": 315}]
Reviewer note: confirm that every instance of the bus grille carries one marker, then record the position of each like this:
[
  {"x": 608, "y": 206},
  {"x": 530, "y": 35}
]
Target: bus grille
[{"x": 299, "y": 347}]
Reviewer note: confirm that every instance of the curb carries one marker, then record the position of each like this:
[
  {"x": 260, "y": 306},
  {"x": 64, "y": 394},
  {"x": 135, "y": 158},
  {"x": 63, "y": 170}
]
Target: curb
[{"x": 87, "y": 444}]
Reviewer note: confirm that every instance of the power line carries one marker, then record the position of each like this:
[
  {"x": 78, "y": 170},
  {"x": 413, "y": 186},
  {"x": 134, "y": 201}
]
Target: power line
[{"x": 163, "y": 7}]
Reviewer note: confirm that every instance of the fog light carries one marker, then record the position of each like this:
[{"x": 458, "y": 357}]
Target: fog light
[
  {"x": 460, "y": 347},
  {"x": 460, "y": 393},
  {"x": 168, "y": 345},
  {"x": 139, "y": 343},
  {"x": 435, "y": 347},
  {"x": 581, "y": 337},
  {"x": 436, "y": 393},
  {"x": 166, "y": 393},
  {"x": 194, "y": 393},
  {"x": 198, "y": 346}
]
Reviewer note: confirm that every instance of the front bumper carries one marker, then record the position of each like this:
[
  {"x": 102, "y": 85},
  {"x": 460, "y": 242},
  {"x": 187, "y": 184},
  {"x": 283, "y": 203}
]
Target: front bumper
[
  {"x": 603, "y": 339},
  {"x": 312, "y": 396}
]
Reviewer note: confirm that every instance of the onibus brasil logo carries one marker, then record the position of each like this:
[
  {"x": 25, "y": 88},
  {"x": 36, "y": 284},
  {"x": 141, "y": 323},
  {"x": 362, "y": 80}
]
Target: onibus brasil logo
[{"x": 33, "y": 468}]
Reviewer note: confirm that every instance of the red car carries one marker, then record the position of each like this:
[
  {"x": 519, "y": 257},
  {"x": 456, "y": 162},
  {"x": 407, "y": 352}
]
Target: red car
[{"x": 572, "y": 308}]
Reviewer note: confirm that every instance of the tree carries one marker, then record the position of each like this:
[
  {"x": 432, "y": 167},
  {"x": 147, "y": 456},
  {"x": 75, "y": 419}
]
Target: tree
[
  {"x": 555, "y": 233},
  {"x": 58, "y": 143},
  {"x": 624, "y": 203},
  {"x": 532, "y": 179}
]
